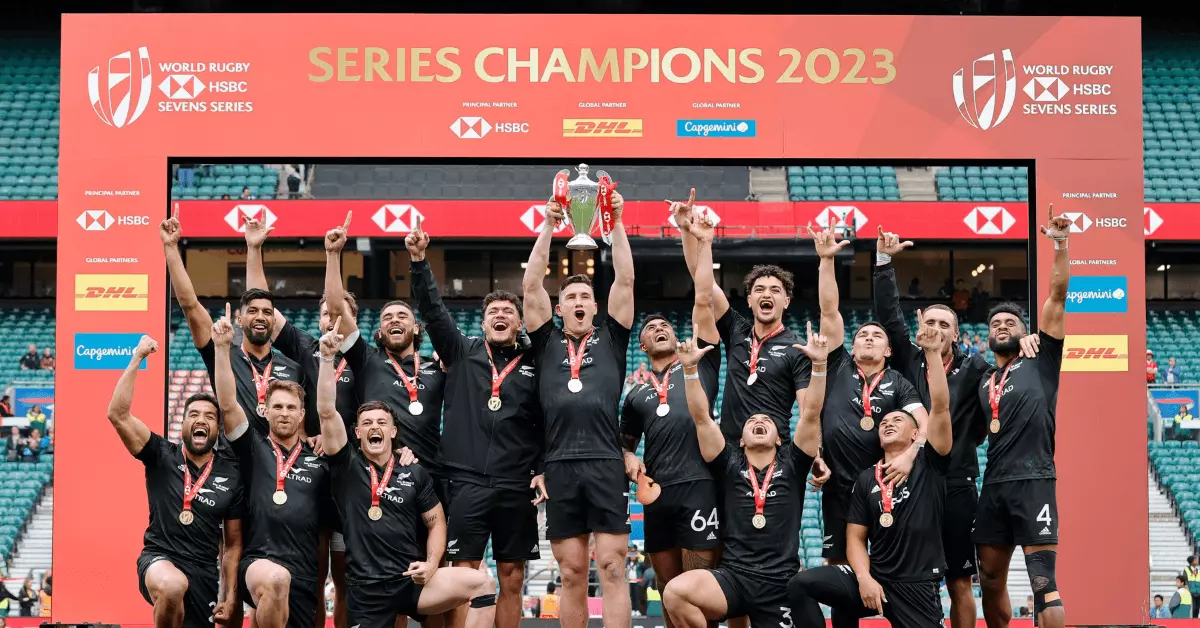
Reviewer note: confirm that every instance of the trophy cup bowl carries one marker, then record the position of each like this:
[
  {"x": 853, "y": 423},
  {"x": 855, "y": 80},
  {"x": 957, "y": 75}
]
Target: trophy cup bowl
[{"x": 581, "y": 209}]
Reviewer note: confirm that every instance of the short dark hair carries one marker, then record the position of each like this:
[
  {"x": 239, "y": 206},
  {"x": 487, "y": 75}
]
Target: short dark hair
[
  {"x": 1007, "y": 307},
  {"x": 909, "y": 415},
  {"x": 1158, "y": 597},
  {"x": 503, "y": 295},
  {"x": 400, "y": 302},
  {"x": 769, "y": 270},
  {"x": 650, "y": 318},
  {"x": 1181, "y": 578},
  {"x": 943, "y": 306},
  {"x": 351, "y": 303},
  {"x": 201, "y": 396},
  {"x": 871, "y": 324},
  {"x": 550, "y": 587},
  {"x": 376, "y": 405},
  {"x": 417, "y": 338},
  {"x": 580, "y": 278},
  {"x": 255, "y": 294},
  {"x": 285, "y": 385}
]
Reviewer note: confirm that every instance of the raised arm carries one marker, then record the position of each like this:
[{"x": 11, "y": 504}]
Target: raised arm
[
  {"x": 712, "y": 443},
  {"x": 256, "y": 275},
  {"x": 447, "y": 339},
  {"x": 134, "y": 434},
  {"x": 827, "y": 245},
  {"x": 225, "y": 386},
  {"x": 333, "y": 430},
  {"x": 335, "y": 293},
  {"x": 683, "y": 219},
  {"x": 710, "y": 302},
  {"x": 620, "y": 294},
  {"x": 1055, "y": 307},
  {"x": 808, "y": 429},
  {"x": 536, "y": 299},
  {"x": 938, "y": 432},
  {"x": 198, "y": 319},
  {"x": 887, "y": 296}
]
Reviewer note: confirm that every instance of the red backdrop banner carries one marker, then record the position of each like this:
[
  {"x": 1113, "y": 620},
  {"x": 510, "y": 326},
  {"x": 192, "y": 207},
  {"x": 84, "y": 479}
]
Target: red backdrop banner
[{"x": 137, "y": 89}]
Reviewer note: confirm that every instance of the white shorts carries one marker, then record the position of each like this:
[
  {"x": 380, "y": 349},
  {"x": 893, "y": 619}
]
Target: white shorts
[{"x": 337, "y": 543}]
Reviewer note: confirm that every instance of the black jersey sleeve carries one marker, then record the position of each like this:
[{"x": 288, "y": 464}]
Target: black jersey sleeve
[
  {"x": 426, "y": 497},
  {"x": 801, "y": 465},
  {"x": 208, "y": 354},
  {"x": 1049, "y": 363},
  {"x": 936, "y": 461},
  {"x": 710, "y": 371},
  {"x": 156, "y": 452},
  {"x": 356, "y": 357},
  {"x": 727, "y": 324},
  {"x": 447, "y": 338},
  {"x": 907, "y": 396},
  {"x": 632, "y": 423},
  {"x": 339, "y": 461},
  {"x": 237, "y": 507},
  {"x": 243, "y": 448},
  {"x": 540, "y": 336},
  {"x": 887, "y": 308},
  {"x": 292, "y": 342},
  {"x": 618, "y": 335},
  {"x": 801, "y": 370},
  {"x": 719, "y": 466},
  {"x": 858, "y": 511},
  {"x": 839, "y": 363}
]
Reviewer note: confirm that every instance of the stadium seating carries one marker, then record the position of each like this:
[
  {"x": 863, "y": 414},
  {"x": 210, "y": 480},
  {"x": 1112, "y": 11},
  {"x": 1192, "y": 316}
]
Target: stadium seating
[
  {"x": 1169, "y": 333},
  {"x": 996, "y": 184},
  {"x": 21, "y": 484},
  {"x": 28, "y": 119},
  {"x": 1171, "y": 104},
  {"x": 1176, "y": 465},
  {"x": 842, "y": 183},
  {"x": 36, "y": 326},
  {"x": 211, "y": 182}
]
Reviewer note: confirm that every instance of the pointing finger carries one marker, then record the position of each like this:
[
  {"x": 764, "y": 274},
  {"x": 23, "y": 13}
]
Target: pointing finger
[
  {"x": 808, "y": 327},
  {"x": 227, "y": 310},
  {"x": 691, "y": 198},
  {"x": 346, "y": 227},
  {"x": 175, "y": 211},
  {"x": 1051, "y": 211},
  {"x": 337, "y": 324},
  {"x": 880, "y": 227}
]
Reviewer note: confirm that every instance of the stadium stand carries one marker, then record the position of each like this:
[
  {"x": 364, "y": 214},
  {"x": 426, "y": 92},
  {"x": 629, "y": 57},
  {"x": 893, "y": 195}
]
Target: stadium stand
[
  {"x": 1167, "y": 333},
  {"x": 1171, "y": 104},
  {"x": 1005, "y": 184},
  {"x": 834, "y": 183},
  {"x": 28, "y": 119},
  {"x": 213, "y": 181}
]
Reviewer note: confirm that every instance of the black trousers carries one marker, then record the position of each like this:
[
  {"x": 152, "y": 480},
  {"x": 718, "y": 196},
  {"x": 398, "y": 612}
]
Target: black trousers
[{"x": 909, "y": 604}]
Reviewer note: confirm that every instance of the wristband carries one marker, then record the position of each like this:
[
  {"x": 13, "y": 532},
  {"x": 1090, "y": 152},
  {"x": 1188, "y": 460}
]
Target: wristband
[
  {"x": 882, "y": 259},
  {"x": 695, "y": 375},
  {"x": 325, "y": 359}
]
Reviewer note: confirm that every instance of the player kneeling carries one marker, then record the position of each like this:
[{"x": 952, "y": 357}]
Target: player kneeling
[
  {"x": 900, "y": 578},
  {"x": 386, "y": 508},
  {"x": 763, "y": 491}
]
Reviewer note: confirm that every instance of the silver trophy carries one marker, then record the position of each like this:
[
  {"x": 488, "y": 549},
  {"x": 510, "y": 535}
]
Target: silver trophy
[{"x": 581, "y": 210}]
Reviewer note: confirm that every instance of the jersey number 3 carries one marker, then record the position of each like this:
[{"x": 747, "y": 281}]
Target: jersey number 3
[{"x": 699, "y": 522}]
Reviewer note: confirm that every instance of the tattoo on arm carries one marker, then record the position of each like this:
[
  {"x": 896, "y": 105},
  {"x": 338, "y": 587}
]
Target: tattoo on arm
[{"x": 430, "y": 517}]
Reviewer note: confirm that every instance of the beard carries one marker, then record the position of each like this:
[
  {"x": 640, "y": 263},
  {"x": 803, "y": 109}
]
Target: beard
[
  {"x": 203, "y": 449},
  {"x": 256, "y": 338},
  {"x": 1012, "y": 345}
]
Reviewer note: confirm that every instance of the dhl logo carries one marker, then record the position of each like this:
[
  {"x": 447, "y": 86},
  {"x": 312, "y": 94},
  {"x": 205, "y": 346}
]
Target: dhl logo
[
  {"x": 602, "y": 128},
  {"x": 1108, "y": 354},
  {"x": 112, "y": 293}
]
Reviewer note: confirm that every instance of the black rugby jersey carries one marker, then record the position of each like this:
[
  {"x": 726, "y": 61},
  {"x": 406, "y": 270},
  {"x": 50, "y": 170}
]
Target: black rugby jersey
[
  {"x": 782, "y": 370},
  {"x": 220, "y": 498},
  {"x": 672, "y": 452},
  {"x": 910, "y": 550},
  {"x": 282, "y": 368},
  {"x": 380, "y": 550},
  {"x": 847, "y": 447},
  {"x": 1023, "y": 449},
  {"x": 582, "y": 425}
]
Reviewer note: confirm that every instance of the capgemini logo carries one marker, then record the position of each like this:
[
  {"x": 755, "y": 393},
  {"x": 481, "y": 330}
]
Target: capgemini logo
[
  {"x": 113, "y": 104},
  {"x": 979, "y": 107}
]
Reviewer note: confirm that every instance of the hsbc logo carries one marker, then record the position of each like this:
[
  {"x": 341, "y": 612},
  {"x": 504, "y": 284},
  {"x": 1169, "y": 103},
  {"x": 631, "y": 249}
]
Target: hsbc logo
[
  {"x": 989, "y": 220},
  {"x": 842, "y": 217},
  {"x": 399, "y": 218},
  {"x": 181, "y": 86},
  {"x": 113, "y": 91},
  {"x": 474, "y": 127},
  {"x": 993, "y": 89},
  {"x": 1046, "y": 89},
  {"x": 703, "y": 211},
  {"x": 534, "y": 219},
  {"x": 236, "y": 218},
  {"x": 1151, "y": 221},
  {"x": 101, "y": 220},
  {"x": 1081, "y": 222}
]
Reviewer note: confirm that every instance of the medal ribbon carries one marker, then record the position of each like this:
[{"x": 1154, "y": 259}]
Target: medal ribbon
[
  {"x": 869, "y": 388},
  {"x": 760, "y": 494},
  {"x": 756, "y": 346},
  {"x": 995, "y": 391},
  {"x": 576, "y": 355},
  {"x": 281, "y": 467},
  {"x": 945, "y": 366},
  {"x": 562, "y": 192},
  {"x": 498, "y": 378},
  {"x": 190, "y": 491},
  {"x": 662, "y": 388},
  {"x": 260, "y": 381},
  {"x": 604, "y": 204},
  {"x": 378, "y": 485},
  {"x": 337, "y": 375},
  {"x": 885, "y": 489},
  {"x": 409, "y": 383}
]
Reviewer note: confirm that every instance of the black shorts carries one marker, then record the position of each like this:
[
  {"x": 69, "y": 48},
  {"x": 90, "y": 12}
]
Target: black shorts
[
  {"x": 764, "y": 602},
  {"x": 441, "y": 488},
  {"x": 957, "y": 521},
  {"x": 302, "y": 596},
  {"x": 909, "y": 604},
  {"x": 833, "y": 513},
  {"x": 684, "y": 516},
  {"x": 378, "y": 604},
  {"x": 1023, "y": 512},
  {"x": 508, "y": 516},
  {"x": 202, "y": 593},
  {"x": 586, "y": 496}
]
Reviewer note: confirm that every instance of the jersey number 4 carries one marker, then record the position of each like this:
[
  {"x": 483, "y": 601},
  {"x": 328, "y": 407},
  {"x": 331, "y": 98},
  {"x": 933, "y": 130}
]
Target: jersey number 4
[
  {"x": 699, "y": 522},
  {"x": 1044, "y": 514}
]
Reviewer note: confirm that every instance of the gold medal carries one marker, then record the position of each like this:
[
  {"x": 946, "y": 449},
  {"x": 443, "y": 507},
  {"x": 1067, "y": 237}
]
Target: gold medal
[
  {"x": 867, "y": 423},
  {"x": 759, "y": 521},
  {"x": 994, "y": 426},
  {"x": 186, "y": 517},
  {"x": 494, "y": 404},
  {"x": 262, "y": 410},
  {"x": 886, "y": 520},
  {"x": 375, "y": 513},
  {"x": 279, "y": 498}
]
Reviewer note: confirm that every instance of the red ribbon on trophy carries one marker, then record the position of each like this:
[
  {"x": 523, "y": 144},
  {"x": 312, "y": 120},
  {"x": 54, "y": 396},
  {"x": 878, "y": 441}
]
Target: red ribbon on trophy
[
  {"x": 562, "y": 191},
  {"x": 604, "y": 204}
]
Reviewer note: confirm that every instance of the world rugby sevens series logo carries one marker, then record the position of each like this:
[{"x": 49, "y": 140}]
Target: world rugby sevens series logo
[
  {"x": 114, "y": 104},
  {"x": 978, "y": 107}
]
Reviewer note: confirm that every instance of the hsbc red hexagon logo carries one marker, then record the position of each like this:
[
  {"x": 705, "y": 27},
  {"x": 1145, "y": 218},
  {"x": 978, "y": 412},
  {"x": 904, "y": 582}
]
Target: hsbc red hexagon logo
[
  {"x": 236, "y": 218},
  {"x": 1151, "y": 221},
  {"x": 534, "y": 219},
  {"x": 397, "y": 218},
  {"x": 842, "y": 216},
  {"x": 989, "y": 220},
  {"x": 703, "y": 211}
]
